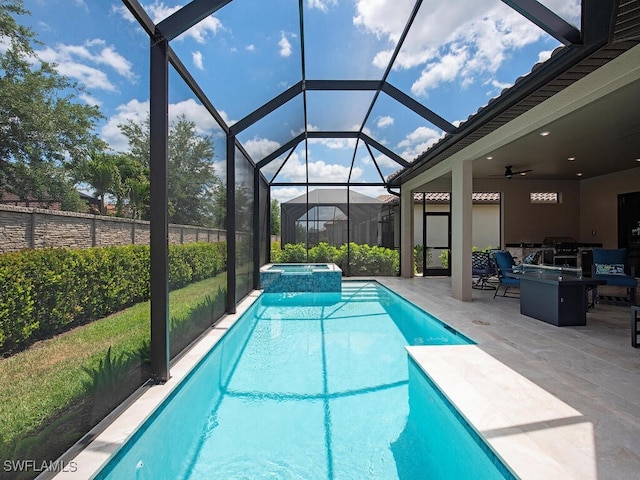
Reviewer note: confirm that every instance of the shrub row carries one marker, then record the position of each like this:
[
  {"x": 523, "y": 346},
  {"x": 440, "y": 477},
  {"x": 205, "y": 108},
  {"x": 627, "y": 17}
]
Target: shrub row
[
  {"x": 363, "y": 259},
  {"x": 194, "y": 262},
  {"x": 44, "y": 292}
]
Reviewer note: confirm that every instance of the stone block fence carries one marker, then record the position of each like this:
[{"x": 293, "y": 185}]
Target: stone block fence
[{"x": 26, "y": 227}]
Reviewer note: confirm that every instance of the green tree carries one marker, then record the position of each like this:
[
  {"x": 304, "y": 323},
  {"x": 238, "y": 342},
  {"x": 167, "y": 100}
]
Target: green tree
[
  {"x": 275, "y": 217},
  {"x": 100, "y": 171},
  {"x": 139, "y": 197},
  {"x": 46, "y": 183},
  {"x": 41, "y": 120},
  {"x": 193, "y": 187}
]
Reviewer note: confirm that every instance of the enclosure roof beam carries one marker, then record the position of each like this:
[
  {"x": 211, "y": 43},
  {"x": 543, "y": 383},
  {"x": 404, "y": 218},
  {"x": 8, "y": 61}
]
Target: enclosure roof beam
[
  {"x": 267, "y": 108},
  {"x": 342, "y": 84},
  {"x": 273, "y": 155},
  {"x": 328, "y": 184},
  {"x": 195, "y": 87},
  {"x": 378, "y": 146},
  {"x": 332, "y": 134},
  {"x": 426, "y": 113},
  {"x": 188, "y": 16},
  {"x": 547, "y": 20}
]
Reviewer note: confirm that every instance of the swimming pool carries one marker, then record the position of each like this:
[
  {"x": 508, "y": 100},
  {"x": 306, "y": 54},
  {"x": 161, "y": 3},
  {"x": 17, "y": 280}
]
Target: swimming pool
[{"x": 310, "y": 386}]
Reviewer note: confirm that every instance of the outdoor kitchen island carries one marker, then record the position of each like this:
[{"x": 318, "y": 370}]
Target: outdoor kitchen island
[{"x": 556, "y": 295}]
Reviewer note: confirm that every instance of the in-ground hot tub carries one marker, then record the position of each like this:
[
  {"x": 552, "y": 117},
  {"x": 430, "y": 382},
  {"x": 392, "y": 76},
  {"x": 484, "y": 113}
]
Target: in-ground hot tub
[{"x": 300, "y": 277}]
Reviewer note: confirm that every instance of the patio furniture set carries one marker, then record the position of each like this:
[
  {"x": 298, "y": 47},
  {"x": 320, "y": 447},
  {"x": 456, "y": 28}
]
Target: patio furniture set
[{"x": 558, "y": 294}]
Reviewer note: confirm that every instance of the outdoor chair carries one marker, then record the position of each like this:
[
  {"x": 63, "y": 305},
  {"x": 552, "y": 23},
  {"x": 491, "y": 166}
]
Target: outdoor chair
[
  {"x": 482, "y": 269},
  {"x": 611, "y": 266},
  {"x": 505, "y": 264}
]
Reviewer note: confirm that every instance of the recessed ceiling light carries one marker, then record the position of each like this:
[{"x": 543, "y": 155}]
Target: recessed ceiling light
[
  {"x": 637, "y": 159},
  {"x": 522, "y": 174},
  {"x": 571, "y": 159},
  {"x": 544, "y": 133},
  {"x": 579, "y": 174},
  {"x": 491, "y": 158}
]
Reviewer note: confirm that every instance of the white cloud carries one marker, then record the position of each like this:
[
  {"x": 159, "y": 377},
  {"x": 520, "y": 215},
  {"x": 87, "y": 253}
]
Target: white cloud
[
  {"x": 501, "y": 85},
  {"x": 384, "y": 19},
  {"x": 138, "y": 111},
  {"x": 332, "y": 172},
  {"x": 259, "y": 148},
  {"x": 135, "y": 111},
  {"x": 285, "y": 45},
  {"x": 81, "y": 62},
  {"x": 334, "y": 143},
  {"x": 192, "y": 110},
  {"x": 418, "y": 141},
  {"x": 90, "y": 99},
  {"x": 385, "y": 121},
  {"x": 197, "y": 59},
  {"x": 449, "y": 42},
  {"x": 322, "y": 5},
  {"x": 251, "y": 48},
  {"x": 284, "y": 194},
  {"x": 444, "y": 70},
  {"x": 294, "y": 170},
  {"x": 384, "y": 161},
  {"x": 372, "y": 192},
  {"x": 568, "y": 9},
  {"x": 544, "y": 55}
]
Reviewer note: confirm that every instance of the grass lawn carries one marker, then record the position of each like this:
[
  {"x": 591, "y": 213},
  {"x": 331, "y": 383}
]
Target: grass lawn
[{"x": 38, "y": 382}]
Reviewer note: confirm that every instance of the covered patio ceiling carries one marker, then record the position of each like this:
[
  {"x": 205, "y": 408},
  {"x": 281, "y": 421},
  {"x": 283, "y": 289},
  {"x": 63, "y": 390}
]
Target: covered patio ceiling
[{"x": 355, "y": 93}]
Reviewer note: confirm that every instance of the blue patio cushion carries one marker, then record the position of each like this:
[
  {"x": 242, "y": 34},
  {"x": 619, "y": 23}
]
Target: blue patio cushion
[
  {"x": 607, "y": 269},
  {"x": 610, "y": 257},
  {"x": 504, "y": 260}
]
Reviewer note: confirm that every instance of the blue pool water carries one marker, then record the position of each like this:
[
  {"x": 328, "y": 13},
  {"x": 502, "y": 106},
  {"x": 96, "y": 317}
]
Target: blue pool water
[{"x": 312, "y": 386}]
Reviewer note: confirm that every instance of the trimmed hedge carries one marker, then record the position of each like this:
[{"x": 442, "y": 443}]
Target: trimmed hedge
[
  {"x": 44, "y": 292},
  {"x": 363, "y": 259}
]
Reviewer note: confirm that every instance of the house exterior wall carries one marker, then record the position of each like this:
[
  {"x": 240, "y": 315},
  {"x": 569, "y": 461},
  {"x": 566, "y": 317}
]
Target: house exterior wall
[
  {"x": 485, "y": 224},
  {"x": 526, "y": 222},
  {"x": 22, "y": 227},
  {"x": 599, "y": 205}
]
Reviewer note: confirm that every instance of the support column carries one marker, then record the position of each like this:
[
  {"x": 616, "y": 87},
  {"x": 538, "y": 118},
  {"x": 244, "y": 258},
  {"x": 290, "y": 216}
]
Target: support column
[
  {"x": 231, "y": 223},
  {"x": 159, "y": 215},
  {"x": 406, "y": 233},
  {"x": 461, "y": 230}
]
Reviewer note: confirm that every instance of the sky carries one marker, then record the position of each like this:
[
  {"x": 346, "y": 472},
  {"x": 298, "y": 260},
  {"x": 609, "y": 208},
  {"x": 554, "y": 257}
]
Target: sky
[{"x": 457, "y": 56}]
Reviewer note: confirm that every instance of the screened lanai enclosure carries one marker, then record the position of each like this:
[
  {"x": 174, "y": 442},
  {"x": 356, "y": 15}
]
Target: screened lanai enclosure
[
  {"x": 331, "y": 117},
  {"x": 337, "y": 217},
  {"x": 319, "y": 104}
]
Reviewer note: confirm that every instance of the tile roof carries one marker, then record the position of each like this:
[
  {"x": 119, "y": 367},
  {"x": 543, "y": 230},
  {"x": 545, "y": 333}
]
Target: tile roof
[{"x": 445, "y": 197}]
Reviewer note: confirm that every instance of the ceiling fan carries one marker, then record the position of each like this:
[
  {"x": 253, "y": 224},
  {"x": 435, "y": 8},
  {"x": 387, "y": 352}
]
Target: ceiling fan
[{"x": 508, "y": 171}]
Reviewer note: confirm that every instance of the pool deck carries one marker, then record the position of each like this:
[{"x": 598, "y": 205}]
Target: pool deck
[{"x": 554, "y": 403}]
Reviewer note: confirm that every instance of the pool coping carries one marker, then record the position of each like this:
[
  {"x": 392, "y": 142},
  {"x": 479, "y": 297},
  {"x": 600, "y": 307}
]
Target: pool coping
[
  {"x": 90, "y": 461},
  {"x": 536, "y": 435}
]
